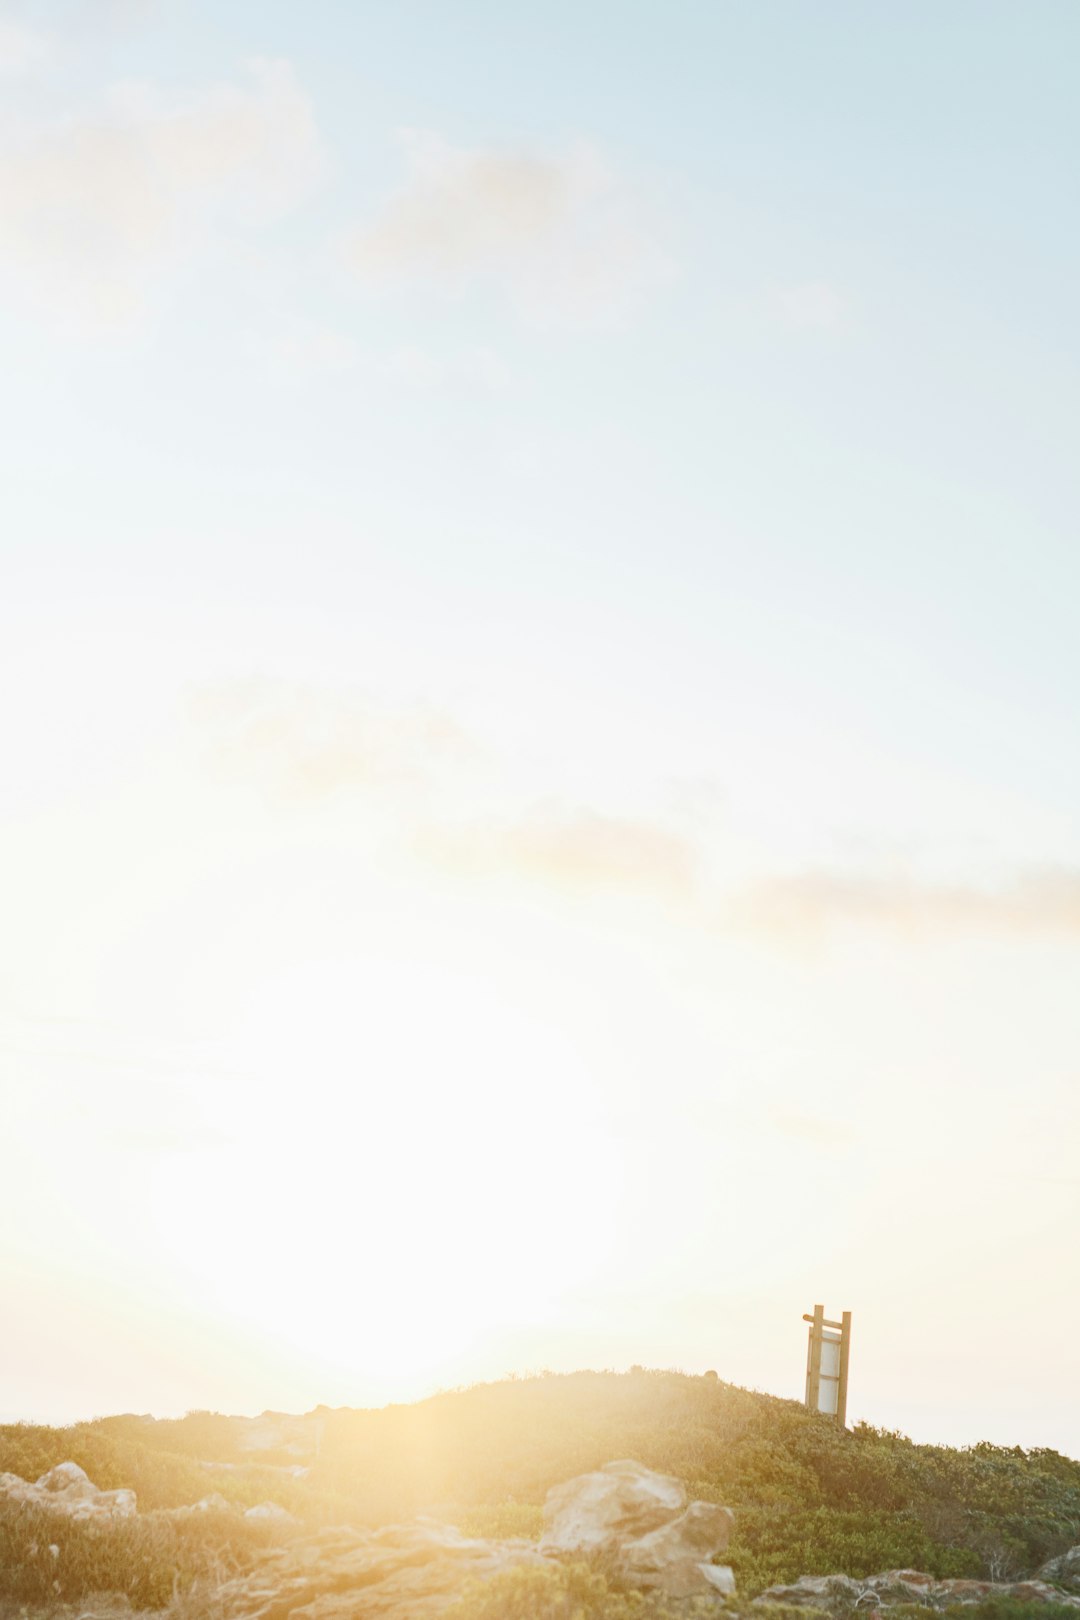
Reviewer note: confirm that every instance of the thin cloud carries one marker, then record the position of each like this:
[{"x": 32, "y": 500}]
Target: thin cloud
[
  {"x": 811, "y": 904},
  {"x": 91, "y": 208},
  {"x": 563, "y": 238},
  {"x": 301, "y": 742},
  {"x": 578, "y": 851}
]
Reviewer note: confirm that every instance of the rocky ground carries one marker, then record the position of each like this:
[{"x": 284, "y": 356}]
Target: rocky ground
[{"x": 638, "y": 1525}]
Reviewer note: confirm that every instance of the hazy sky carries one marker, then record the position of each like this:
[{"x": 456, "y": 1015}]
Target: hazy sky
[{"x": 538, "y": 806}]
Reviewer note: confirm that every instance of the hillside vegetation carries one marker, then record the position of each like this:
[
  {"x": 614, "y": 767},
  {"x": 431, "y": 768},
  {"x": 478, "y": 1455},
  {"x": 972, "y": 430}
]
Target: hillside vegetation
[{"x": 809, "y": 1499}]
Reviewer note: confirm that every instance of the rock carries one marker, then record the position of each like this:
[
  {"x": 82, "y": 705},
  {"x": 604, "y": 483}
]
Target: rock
[
  {"x": 66, "y": 1476},
  {"x": 214, "y": 1503},
  {"x": 675, "y": 1557},
  {"x": 66, "y": 1489},
  {"x": 640, "y": 1521},
  {"x": 811, "y": 1591},
  {"x": 399, "y": 1572},
  {"x": 721, "y": 1577},
  {"x": 269, "y": 1513},
  {"x": 280, "y": 1431},
  {"x": 598, "y": 1512},
  {"x": 840, "y": 1592},
  {"x": 1063, "y": 1571}
]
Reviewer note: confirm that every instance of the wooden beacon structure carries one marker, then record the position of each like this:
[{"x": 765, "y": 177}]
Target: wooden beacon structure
[{"x": 827, "y": 1355}]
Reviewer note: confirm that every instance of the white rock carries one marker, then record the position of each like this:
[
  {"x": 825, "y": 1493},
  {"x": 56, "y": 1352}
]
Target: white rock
[
  {"x": 672, "y": 1558},
  {"x": 270, "y": 1513},
  {"x": 1064, "y": 1571},
  {"x": 719, "y": 1576},
  {"x": 704, "y": 1529},
  {"x": 621, "y": 1501},
  {"x": 215, "y": 1503},
  {"x": 66, "y": 1476},
  {"x": 66, "y": 1489}
]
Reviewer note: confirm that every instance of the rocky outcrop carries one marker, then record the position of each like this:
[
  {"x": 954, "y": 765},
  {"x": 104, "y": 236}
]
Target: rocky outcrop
[
  {"x": 400, "y": 1571},
  {"x": 67, "y": 1490},
  {"x": 623, "y": 1500},
  {"x": 641, "y": 1523},
  {"x": 1064, "y": 1571},
  {"x": 637, "y": 1521},
  {"x": 842, "y": 1593},
  {"x": 676, "y": 1558},
  {"x": 279, "y": 1431}
]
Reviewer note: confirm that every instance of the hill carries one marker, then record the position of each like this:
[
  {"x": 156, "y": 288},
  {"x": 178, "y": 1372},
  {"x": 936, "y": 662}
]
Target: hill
[{"x": 808, "y": 1498}]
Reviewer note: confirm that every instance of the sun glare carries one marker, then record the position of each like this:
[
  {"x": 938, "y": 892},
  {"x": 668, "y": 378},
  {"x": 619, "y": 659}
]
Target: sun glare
[{"x": 407, "y": 1165}]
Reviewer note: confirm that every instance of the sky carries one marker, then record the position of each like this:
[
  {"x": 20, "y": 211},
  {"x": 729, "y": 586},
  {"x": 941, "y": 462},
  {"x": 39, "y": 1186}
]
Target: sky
[{"x": 538, "y": 787}]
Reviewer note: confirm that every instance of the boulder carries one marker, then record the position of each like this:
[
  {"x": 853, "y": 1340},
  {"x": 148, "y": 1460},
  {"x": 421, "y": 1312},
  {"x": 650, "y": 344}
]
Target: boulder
[
  {"x": 67, "y": 1478},
  {"x": 640, "y": 1521},
  {"x": 1064, "y": 1570},
  {"x": 598, "y": 1512},
  {"x": 675, "y": 1558},
  {"x": 401, "y": 1572},
  {"x": 66, "y": 1489}
]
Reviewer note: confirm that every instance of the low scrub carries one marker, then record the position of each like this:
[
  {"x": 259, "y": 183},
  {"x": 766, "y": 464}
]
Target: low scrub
[
  {"x": 48, "y": 1558},
  {"x": 808, "y": 1498}
]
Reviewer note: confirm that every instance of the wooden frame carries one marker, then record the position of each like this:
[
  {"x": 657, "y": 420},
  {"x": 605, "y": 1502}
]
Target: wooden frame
[{"x": 823, "y": 1331}]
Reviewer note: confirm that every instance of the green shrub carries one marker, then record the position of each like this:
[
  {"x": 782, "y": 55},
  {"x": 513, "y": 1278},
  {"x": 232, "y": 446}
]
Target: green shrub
[
  {"x": 504, "y": 1521},
  {"x": 1006, "y": 1608},
  {"x": 123, "y": 1452},
  {"x": 808, "y": 1498},
  {"x": 775, "y": 1545},
  {"x": 146, "y": 1558}
]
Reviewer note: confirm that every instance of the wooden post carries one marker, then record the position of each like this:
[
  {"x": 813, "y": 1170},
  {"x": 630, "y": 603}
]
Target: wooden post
[
  {"x": 845, "y": 1356},
  {"x": 813, "y": 1365},
  {"x": 840, "y": 1336}
]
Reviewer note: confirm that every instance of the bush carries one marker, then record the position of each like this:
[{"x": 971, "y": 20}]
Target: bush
[
  {"x": 808, "y": 1498},
  {"x": 503, "y": 1522},
  {"x": 124, "y": 1452},
  {"x": 45, "y": 1557},
  {"x": 1006, "y": 1608}
]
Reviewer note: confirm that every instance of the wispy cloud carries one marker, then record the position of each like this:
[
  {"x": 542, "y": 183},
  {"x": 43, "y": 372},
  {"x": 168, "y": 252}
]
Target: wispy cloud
[
  {"x": 562, "y": 237},
  {"x": 801, "y": 906},
  {"x": 92, "y": 206},
  {"x": 577, "y": 850},
  {"x": 304, "y": 742}
]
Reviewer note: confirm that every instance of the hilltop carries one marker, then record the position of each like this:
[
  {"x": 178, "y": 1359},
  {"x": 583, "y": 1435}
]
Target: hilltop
[{"x": 808, "y": 1499}]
